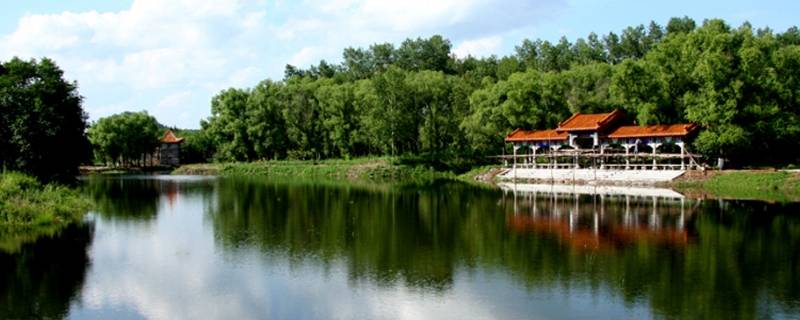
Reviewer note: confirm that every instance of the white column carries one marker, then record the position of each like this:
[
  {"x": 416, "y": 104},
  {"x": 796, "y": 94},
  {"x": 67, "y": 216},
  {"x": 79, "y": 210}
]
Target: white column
[
  {"x": 654, "y": 146},
  {"x": 627, "y": 147},
  {"x": 534, "y": 148},
  {"x": 554, "y": 149},
  {"x": 515, "y": 156},
  {"x": 683, "y": 153}
]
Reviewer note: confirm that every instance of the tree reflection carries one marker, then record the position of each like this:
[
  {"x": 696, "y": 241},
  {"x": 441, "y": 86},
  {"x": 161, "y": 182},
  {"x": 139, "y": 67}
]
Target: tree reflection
[
  {"x": 136, "y": 198},
  {"x": 43, "y": 277},
  {"x": 707, "y": 260}
]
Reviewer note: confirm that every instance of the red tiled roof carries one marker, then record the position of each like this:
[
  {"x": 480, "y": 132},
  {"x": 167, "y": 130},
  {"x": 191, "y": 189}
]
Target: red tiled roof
[
  {"x": 659, "y": 130},
  {"x": 537, "y": 135},
  {"x": 169, "y": 137},
  {"x": 581, "y": 122}
]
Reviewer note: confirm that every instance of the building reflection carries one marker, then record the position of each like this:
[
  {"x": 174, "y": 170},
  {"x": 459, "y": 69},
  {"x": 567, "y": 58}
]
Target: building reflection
[
  {"x": 138, "y": 198},
  {"x": 602, "y": 218}
]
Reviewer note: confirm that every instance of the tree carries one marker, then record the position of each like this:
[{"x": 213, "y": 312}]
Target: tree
[
  {"x": 228, "y": 128},
  {"x": 359, "y": 63},
  {"x": 42, "y": 123},
  {"x": 637, "y": 87},
  {"x": 430, "y": 91},
  {"x": 739, "y": 85},
  {"x": 125, "y": 138},
  {"x": 680, "y": 25},
  {"x": 302, "y": 116},
  {"x": 340, "y": 119},
  {"x": 265, "y": 124},
  {"x": 424, "y": 54},
  {"x": 587, "y": 88},
  {"x": 390, "y": 117}
]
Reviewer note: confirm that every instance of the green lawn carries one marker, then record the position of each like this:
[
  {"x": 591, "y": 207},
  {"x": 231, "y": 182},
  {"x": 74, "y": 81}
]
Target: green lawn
[
  {"x": 370, "y": 169},
  {"x": 29, "y": 209},
  {"x": 778, "y": 186}
]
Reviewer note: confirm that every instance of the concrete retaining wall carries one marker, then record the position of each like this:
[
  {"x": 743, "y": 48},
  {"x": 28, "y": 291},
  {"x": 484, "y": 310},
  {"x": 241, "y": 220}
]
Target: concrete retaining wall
[{"x": 593, "y": 175}]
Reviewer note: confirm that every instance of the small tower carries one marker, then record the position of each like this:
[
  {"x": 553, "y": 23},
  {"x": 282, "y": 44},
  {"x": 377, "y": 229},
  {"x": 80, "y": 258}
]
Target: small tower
[{"x": 170, "y": 150}]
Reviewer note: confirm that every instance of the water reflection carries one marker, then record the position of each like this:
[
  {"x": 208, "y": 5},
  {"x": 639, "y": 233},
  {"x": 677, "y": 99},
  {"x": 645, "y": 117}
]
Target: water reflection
[
  {"x": 670, "y": 253},
  {"x": 385, "y": 234},
  {"x": 137, "y": 198},
  {"x": 684, "y": 258},
  {"x": 603, "y": 217},
  {"x": 266, "y": 249},
  {"x": 43, "y": 277}
]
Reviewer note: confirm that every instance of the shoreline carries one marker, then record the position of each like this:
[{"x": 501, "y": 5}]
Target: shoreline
[{"x": 770, "y": 185}]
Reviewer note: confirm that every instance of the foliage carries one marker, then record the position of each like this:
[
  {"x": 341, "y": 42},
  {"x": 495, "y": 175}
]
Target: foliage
[
  {"x": 42, "y": 124},
  {"x": 24, "y": 202},
  {"x": 197, "y": 147},
  {"x": 42, "y": 278},
  {"x": 360, "y": 169},
  {"x": 755, "y": 185},
  {"x": 739, "y": 84},
  {"x": 732, "y": 255},
  {"x": 125, "y": 139}
]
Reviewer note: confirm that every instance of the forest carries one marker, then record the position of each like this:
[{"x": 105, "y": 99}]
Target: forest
[
  {"x": 740, "y": 84},
  {"x": 418, "y": 100}
]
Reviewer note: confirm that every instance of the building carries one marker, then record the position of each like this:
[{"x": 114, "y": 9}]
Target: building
[
  {"x": 604, "y": 141},
  {"x": 170, "y": 150}
]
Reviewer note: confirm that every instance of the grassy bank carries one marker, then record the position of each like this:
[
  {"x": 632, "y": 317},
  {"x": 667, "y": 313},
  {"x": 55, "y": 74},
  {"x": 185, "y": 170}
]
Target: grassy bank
[
  {"x": 367, "y": 169},
  {"x": 29, "y": 209},
  {"x": 778, "y": 186}
]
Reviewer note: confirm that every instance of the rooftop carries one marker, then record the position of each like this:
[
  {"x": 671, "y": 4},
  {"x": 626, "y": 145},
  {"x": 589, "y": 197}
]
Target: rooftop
[
  {"x": 170, "y": 137},
  {"x": 536, "y": 135},
  {"x": 586, "y": 122},
  {"x": 659, "y": 130}
]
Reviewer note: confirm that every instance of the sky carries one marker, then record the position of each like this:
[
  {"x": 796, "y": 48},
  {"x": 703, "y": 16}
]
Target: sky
[{"x": 170, "y": 57}]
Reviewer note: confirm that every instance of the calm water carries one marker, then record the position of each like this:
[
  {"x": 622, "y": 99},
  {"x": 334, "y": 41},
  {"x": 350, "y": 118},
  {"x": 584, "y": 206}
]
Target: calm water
[{"x": 197, "y": 248}]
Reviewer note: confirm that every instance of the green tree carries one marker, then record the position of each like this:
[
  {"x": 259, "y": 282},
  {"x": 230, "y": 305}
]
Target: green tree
[
  {"x": 302, "y": 116},
  {"x": 391, "y": 118},
  {"x": 125, "y": 139},
  {"x": 430, "y": 91},
  {"x": 340, "y": 119},
  {"x": 425, "y": 54},
  {"x": 228, "y": 128},
  {"x": 265, "y": 124},
  {"x": 42, "y": 123}
]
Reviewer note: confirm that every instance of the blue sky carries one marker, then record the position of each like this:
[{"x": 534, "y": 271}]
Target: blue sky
[{"x": 171, "y": 57}]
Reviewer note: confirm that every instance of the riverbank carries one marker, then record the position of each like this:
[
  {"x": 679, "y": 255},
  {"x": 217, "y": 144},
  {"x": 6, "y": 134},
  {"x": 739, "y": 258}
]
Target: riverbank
[
  {"x": 362, "y": 169},
  {"x": 87, "y": 170},
  {"x": 765, "y": 185},
  {"x": 29, "y": 209}
]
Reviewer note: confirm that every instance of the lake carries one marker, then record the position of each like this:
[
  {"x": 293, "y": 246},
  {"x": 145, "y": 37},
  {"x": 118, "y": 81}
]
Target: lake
[{"x": 165, "y": 247}]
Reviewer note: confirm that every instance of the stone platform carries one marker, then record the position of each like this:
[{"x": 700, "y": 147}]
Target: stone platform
[{"x": 592, "y": 175}]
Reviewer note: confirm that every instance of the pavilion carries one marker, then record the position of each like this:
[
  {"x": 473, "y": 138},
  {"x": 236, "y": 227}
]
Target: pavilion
[
  {"x": 604, "y": 141},
  {"x": 169, "y": 153}
]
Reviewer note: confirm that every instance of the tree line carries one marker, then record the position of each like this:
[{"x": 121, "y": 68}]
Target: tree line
[
  {"x": 42, "y": 122},
  {"x": 740, "y": 84}
]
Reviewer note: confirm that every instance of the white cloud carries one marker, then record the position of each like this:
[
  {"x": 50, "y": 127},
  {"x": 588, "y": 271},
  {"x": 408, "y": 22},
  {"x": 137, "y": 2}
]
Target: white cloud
[
  {"x": 304, "y": 57},
  {"x": 175, "y": 100},
  {"x": 157, "y": 49},
  {"x": 479, "y": 47}
]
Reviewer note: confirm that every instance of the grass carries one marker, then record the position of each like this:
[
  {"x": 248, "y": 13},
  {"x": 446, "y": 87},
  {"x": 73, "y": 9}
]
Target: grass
[
  {"x": 779, "y": 186},
  {"x": 26, "y": 202},
  {"x": 29, "y": 209},
  {"x": 367, "y": 169},
  {"x": 776, "y": 186}
]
